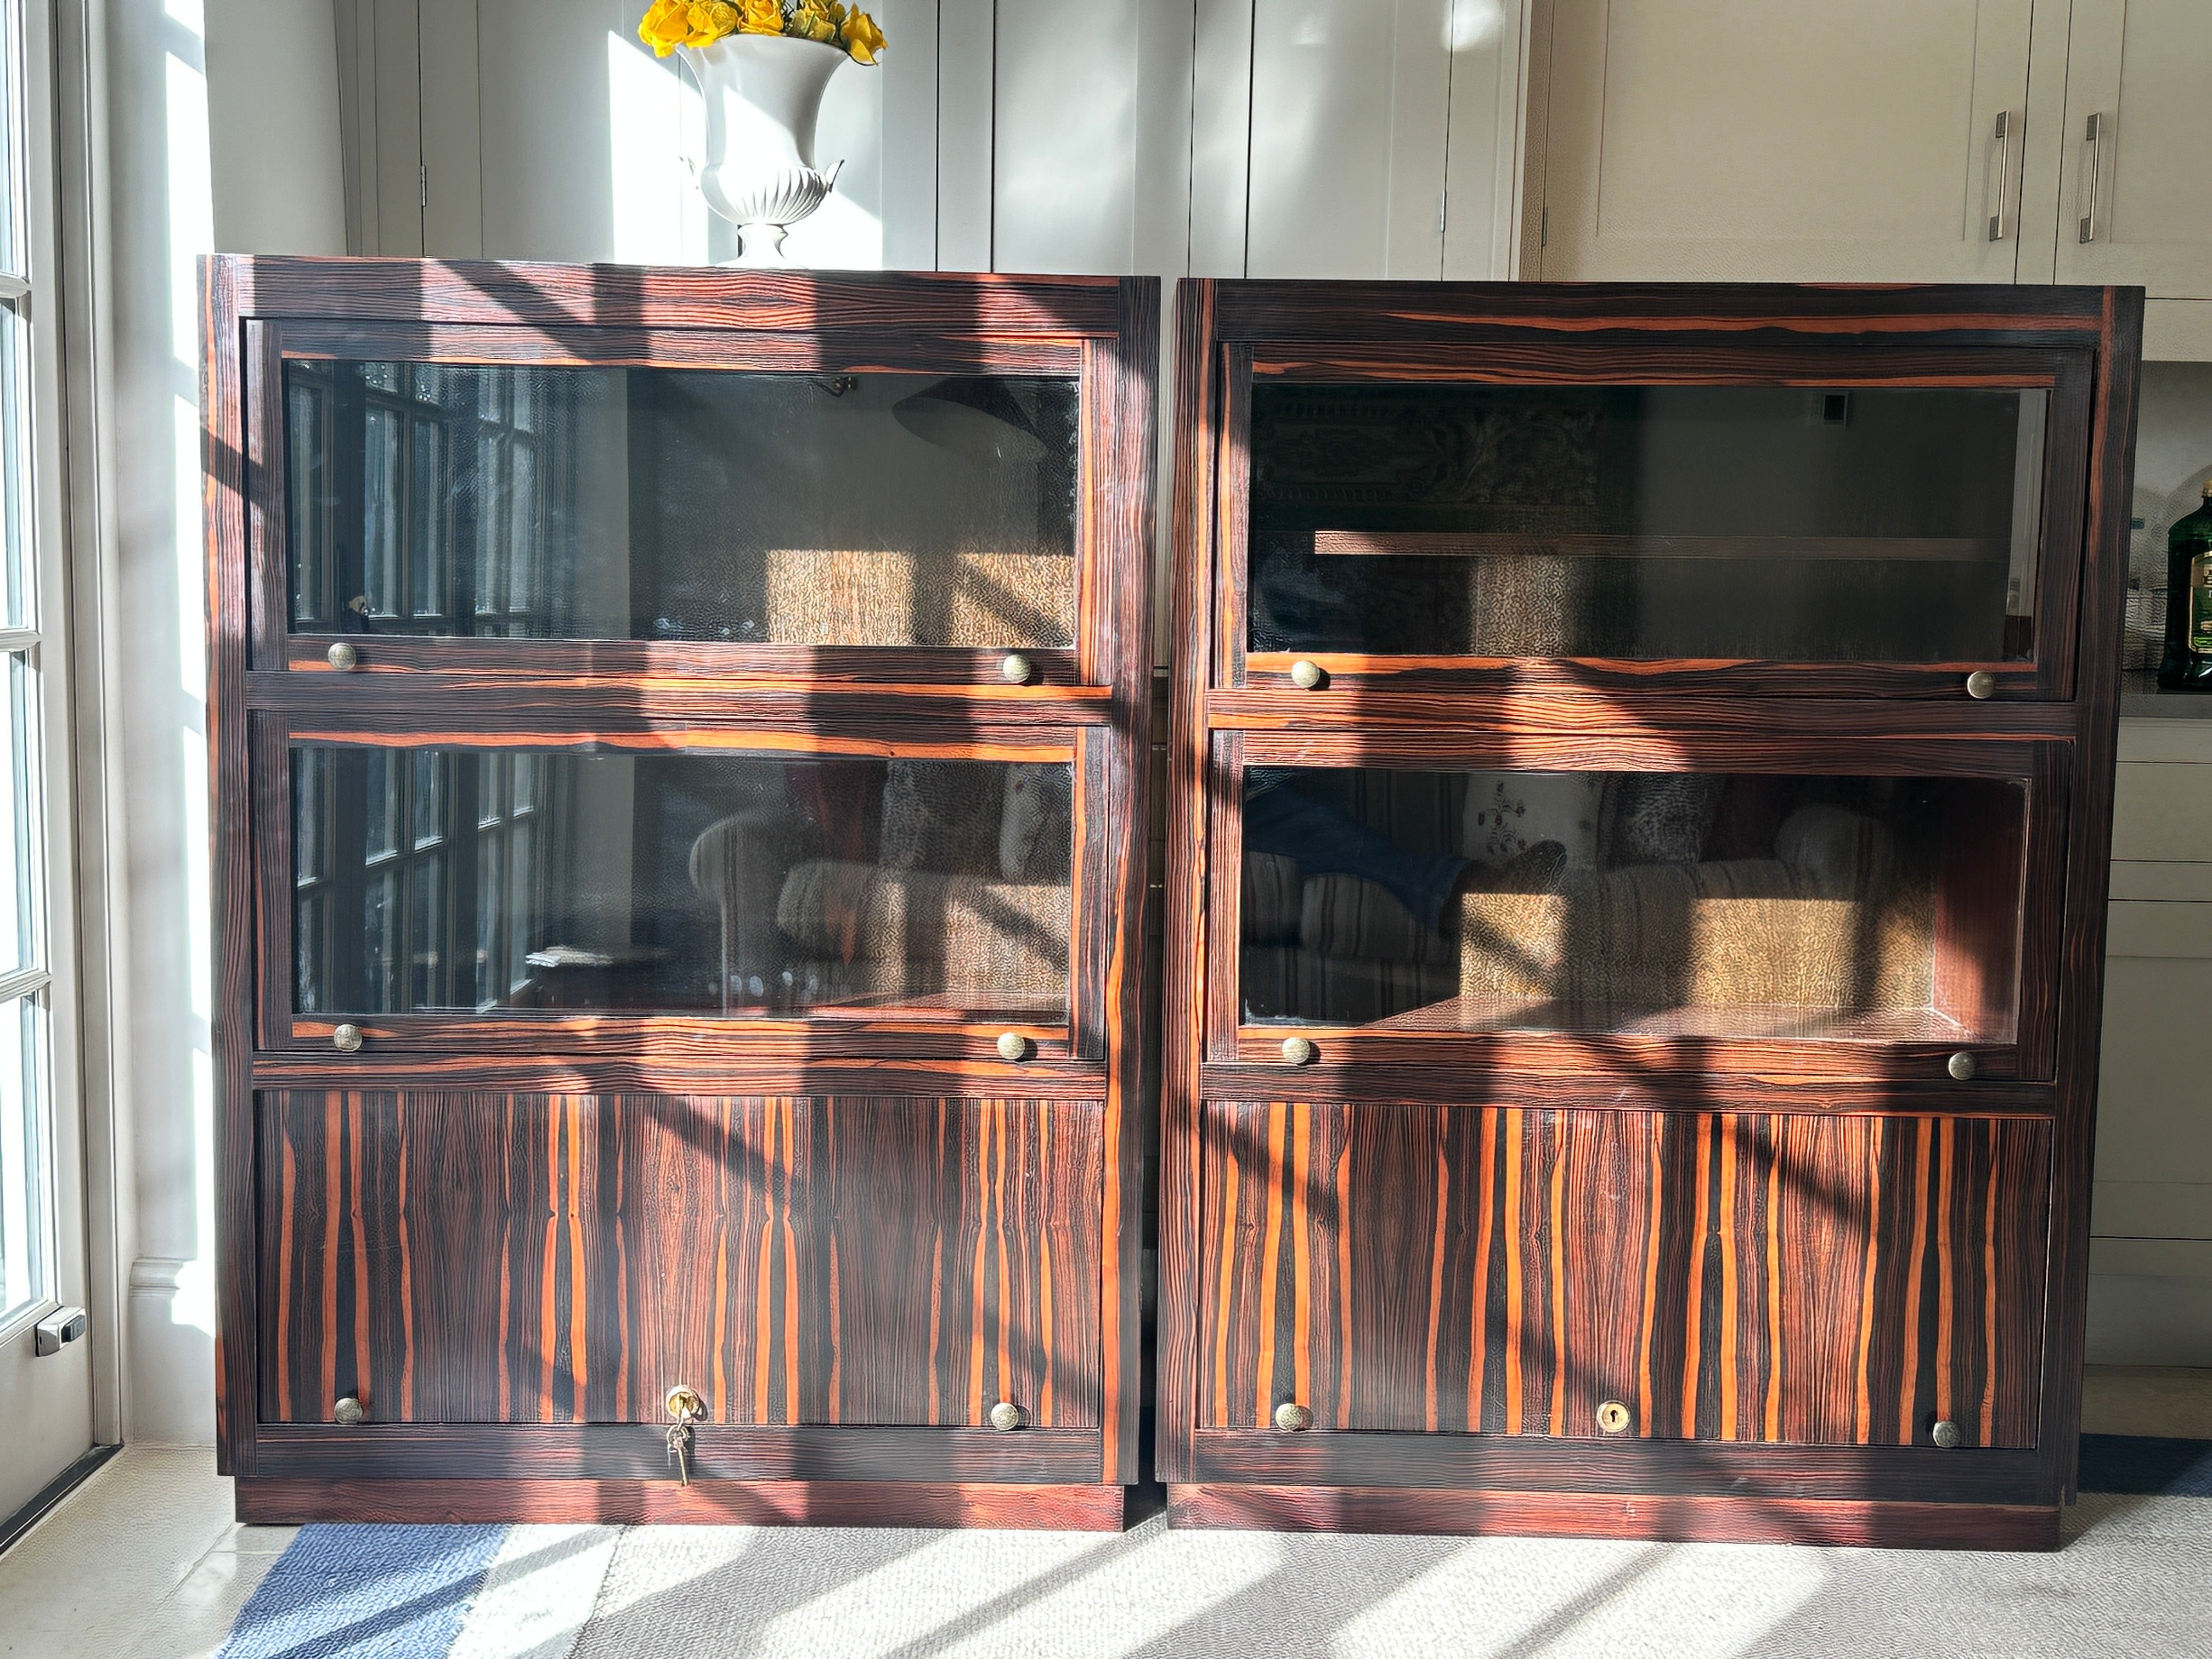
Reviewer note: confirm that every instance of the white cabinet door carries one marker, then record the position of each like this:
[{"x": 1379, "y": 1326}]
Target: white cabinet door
[
  {"x": 2136, "y": 194},
  {"x": 1064, "y": 143},
  {"x": 1319, "y": 138},
  {"x": 1788, "y": 140}
]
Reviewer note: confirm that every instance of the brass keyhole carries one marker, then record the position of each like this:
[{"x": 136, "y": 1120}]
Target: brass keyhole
[
  {"x": 684, "y": 1403},
  {"x": 1613, "y": 1416}
]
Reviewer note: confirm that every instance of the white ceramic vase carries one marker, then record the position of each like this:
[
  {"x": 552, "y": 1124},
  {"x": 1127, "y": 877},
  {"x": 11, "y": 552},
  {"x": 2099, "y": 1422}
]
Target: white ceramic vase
[{"x": 763, "y": 95}]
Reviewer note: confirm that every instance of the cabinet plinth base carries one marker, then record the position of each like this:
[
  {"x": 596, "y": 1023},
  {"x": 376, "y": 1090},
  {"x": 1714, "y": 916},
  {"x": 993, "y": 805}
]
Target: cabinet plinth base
[
  {"x": 289, "y": 1501},
  {"x": 1867, "y": 1523}
]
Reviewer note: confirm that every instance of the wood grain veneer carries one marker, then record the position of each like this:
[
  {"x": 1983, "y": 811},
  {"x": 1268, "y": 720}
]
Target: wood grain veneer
[
  {"x": 1788, "y": 1256},
  {"x": 852, "y": 1235}
]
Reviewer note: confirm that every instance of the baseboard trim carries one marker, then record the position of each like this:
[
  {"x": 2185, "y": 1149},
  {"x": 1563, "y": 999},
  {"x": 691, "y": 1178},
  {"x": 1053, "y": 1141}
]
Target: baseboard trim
[
  {"x": 1863, "y": 1523},
  {"x": 52, "y": 1493},
  {"x": 265, "y": 1502}
]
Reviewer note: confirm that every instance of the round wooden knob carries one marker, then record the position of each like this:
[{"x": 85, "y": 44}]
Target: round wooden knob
[
  {"x": 1006, "y": 1417},
  {"x": 1291, "y": 1418},
  {"x": 346, "y": 1039},
  {"x": 347, "y": 1412},
  {"x": 1305, "y": 674},
  {"x": 342, "y": 657},
  {"x": 1981, "y": 684},
  {"x": 1297, "y": 1051},
  {"x": 1613, "y": 1416},
  {"x": 1017, "y": 668},
  {"x": 1012, "y": 1045},
  {"x": 1960, "y": 1065},
  {"x": 1945, "y": 1434}
]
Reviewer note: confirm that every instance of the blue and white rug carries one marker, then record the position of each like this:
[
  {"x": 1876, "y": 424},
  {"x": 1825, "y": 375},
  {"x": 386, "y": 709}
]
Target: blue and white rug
[{"x": 2136, "y": 1578}]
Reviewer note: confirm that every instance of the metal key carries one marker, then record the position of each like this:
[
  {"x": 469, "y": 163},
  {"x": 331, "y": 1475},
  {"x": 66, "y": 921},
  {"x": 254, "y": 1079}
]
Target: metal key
[{"x": 686, "y": 1406}]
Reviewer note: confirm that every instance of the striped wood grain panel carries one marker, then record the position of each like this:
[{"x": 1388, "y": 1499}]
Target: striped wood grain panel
[
  {"x": 1760, "y": 1276},
  {"x": 542, "y": 1258}
]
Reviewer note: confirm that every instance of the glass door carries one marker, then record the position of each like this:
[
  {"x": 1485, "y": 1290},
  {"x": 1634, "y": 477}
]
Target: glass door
[
  {"x": 1845, "y": 526},
  {"x": 1862, "y": 915},
  {"x": 732, "y": 517},
  {"x": 463, "y": 892},
  {"x": 46, "y": 1368}
]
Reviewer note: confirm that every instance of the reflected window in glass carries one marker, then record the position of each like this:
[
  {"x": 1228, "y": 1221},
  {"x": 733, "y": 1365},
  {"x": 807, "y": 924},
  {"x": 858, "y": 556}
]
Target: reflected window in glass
[
  {"x": 499, "y": 502},
  {"x": 718, "y": 884}
]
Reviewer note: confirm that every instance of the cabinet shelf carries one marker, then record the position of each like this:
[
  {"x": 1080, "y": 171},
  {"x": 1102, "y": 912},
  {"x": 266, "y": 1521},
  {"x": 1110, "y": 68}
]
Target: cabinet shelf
[
  {"x": 1423, "y": 543},
  {"x": 1743, "y": 1022}
]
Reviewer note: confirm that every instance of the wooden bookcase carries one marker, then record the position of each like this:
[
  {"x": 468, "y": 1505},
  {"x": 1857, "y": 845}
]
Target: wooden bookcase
[
  {"x": 1721, "y": 1168},
  {"x": 678, "y": 752}
]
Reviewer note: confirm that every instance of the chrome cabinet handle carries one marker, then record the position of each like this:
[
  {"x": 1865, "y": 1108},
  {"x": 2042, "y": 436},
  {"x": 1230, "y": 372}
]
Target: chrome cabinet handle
[
  {"x": 2004, "y": 174},
  {"x": 2093, "y": 136}
]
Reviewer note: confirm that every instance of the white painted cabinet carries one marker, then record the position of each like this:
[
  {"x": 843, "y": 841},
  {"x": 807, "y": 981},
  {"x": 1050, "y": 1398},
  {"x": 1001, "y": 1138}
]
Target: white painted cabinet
[
  {"x": 1064, "y": 136},
  {"x": 1356, "y": 138},
  {"x": 2151, "y": 1214},
  {"x": 2135, "y": 180},
  {"x": 1267, "y": 138},
  {"x": 1784, "y": 140}
]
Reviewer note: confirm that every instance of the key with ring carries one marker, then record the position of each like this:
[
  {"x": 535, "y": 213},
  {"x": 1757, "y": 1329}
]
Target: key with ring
[{"x": 685, "y": 1407}]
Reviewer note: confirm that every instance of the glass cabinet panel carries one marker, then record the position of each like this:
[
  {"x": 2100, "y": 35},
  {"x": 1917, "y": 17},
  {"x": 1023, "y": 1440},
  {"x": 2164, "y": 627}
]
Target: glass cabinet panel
[
  {"x": 449, "y": 879},
  {"x": 1659, "y": 902},
  {"x": 877, "y": 510},
  {"x": 1778, "y": 523}
]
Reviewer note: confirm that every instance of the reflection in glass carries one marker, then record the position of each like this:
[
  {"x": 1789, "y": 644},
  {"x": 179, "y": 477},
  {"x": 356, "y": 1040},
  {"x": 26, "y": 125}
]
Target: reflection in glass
[
  {"x": 736, "y": 884},
  {"x": 663, "y": 504},
  {"x": 1778, "y": 523},
  {"x": 1661, "y": 903}
]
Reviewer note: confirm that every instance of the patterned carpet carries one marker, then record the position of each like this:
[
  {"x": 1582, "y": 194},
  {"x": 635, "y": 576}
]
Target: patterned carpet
[{"x": 2134, "y": 1580}]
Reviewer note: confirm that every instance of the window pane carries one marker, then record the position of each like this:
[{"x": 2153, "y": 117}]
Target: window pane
[
  {"x": 22, "y": 1180},
  {"x": 1665, "y": 903},
  {"x": 11, "y": 157},
  {"x": 1782, "y": 523},
  {"x": 734, "y": 884},
  {"x": 15, "y": 469},
  {"x": 19, "y": 905},
  {"x": 663, "y": 504},
  {"x": 381, "y": 533}
]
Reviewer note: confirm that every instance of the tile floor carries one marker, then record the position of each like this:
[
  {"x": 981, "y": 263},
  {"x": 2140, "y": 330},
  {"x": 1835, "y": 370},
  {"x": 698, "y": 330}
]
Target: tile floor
[{"x": 143, "y": 1561}]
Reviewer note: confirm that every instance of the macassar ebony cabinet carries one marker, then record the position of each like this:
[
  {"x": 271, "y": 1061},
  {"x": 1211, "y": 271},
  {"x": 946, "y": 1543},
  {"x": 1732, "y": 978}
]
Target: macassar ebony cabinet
[
  {"x": 1640, "y": 801},
  {"x": 678, "y": 742}
]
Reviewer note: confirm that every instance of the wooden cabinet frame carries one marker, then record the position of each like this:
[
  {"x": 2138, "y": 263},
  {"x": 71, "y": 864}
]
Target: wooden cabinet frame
[
  {"x": 2051, "y": 723},
  {"x": 1089, "y": 704}
]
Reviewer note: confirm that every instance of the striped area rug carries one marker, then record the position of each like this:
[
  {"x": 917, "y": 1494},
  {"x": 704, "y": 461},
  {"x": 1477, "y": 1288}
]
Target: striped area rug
[{"x": 546, "y": 1592}]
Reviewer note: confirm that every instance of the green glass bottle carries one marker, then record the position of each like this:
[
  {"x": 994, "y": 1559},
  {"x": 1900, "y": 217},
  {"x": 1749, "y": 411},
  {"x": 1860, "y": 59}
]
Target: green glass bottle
[{"x": 2187, "y": 665}]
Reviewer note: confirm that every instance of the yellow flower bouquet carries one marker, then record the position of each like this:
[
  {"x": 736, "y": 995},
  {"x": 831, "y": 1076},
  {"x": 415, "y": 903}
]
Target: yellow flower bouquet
[{"x": 669, "y": 24}]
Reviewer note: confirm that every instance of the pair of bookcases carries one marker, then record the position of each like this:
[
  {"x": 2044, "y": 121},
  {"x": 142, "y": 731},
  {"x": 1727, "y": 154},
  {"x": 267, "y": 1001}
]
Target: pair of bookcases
[{"x": 1639, "y": 786}]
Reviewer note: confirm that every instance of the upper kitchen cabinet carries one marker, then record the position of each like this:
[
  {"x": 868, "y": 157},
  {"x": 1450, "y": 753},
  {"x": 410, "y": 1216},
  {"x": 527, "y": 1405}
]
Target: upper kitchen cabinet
[
  {"x": 2133, "y": 206},
  {"x": 1790, "y": 140},
  {"x": 1346, "y": 138}
]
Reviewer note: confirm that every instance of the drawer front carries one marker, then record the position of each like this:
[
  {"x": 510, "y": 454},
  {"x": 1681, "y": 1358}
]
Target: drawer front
[
  {"x": 479, "y": 1258},
  {"x": 1804, "y": 1278}
]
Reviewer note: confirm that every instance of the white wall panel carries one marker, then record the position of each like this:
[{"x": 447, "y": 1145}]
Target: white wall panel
[
  {"x": 273, "y": 127},
  {"x": 1349, "y": 100},
  {"x": 1484, "y": 149},
  {"x": 964, "y": 125}
]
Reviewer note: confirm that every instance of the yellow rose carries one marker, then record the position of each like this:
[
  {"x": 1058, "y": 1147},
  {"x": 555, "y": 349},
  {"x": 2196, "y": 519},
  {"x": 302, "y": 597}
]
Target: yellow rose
[
  {"x": 814, "y": 19},
  {"x": 862, "y": 38},
  {"x": 666, "y": 25},
  {"x": 710, "y": 21},
  {"x": 761, "y": 17}
]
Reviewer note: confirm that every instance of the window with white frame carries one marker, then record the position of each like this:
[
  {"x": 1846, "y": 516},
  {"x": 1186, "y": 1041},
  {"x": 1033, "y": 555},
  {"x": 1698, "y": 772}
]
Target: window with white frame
[{"x": 26, "y": 1187}]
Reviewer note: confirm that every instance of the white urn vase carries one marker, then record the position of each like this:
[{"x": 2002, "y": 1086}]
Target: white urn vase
[{"x": 763, "y": 95}]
